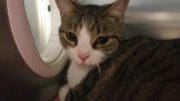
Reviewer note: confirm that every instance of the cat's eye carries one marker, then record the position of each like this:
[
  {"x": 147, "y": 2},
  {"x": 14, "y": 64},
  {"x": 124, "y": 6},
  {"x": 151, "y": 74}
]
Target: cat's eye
[
  {"x": 102, "y": 40},
  {"x": 71, "y": 36}
]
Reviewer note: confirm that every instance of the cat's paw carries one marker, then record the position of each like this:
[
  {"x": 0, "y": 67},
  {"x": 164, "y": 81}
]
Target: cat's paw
[{"x": 63, "y": 92}]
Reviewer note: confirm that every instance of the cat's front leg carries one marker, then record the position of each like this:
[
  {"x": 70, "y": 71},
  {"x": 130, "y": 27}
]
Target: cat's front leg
[{"x": 63, "y": 92}]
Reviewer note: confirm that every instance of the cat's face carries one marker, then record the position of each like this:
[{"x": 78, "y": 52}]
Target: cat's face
[
  {"x": 89, "y": 34},
  {"x": 79, "y": 46}
]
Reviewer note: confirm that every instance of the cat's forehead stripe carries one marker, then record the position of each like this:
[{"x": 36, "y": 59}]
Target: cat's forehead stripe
[
  {"x": 85, "y": 31},
  {"x": 84, "y": 39}
]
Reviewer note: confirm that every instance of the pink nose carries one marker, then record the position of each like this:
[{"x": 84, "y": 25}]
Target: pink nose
[{"x": 83, "y": 56}]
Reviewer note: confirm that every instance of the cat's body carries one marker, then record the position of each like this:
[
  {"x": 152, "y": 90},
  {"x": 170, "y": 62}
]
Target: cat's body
[
  {"x": 138, "y": 73},
  {"x": 108, "y": 65}
]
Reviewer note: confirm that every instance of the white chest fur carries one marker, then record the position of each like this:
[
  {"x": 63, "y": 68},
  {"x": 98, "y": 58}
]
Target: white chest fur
[{"x": 76, "y": 74}]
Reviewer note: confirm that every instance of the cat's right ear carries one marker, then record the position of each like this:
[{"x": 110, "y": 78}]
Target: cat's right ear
[
  {"x": 118, "y": 9},
  {"x": 66, "y": 6}
]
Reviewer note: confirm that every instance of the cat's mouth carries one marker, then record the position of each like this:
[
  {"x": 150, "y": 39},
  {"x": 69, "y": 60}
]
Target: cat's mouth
[{"x": 85, "y": 65}]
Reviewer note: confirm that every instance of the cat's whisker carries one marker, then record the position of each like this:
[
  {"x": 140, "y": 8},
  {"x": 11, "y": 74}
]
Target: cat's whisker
[{"x": 99, "y": 69}]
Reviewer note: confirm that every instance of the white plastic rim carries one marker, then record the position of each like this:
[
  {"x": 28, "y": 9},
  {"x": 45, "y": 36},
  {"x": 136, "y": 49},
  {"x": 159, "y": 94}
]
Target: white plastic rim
[
  {"x": 44, "y": 21},
  {"x": 39, "y": 19},
  {"x": 22, "y": 35},
  {"x": 53, "y": 47}
]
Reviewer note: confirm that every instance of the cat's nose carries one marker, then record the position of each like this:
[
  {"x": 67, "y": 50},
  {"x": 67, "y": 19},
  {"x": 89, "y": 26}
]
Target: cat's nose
[{"x": 83, "y": 56}]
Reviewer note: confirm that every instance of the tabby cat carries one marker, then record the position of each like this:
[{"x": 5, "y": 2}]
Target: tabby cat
[{"x": 107, "y": 64}]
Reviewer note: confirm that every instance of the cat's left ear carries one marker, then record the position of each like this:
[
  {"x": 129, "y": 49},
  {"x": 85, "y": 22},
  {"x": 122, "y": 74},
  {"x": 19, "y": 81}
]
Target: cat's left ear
[{"x": 118, "y": 9}]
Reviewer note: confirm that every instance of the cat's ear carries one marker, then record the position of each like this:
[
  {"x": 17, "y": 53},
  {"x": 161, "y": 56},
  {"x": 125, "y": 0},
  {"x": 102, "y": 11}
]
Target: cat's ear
[
  {"x": 118, "y": 9},
  {"x": 66, "y": 6}
]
